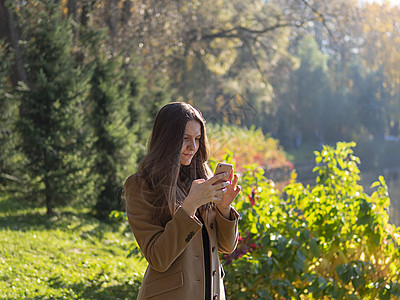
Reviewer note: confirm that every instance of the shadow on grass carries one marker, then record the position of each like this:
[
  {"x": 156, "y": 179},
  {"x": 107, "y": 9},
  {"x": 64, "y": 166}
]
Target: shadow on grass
[
  {"x": 39, "y": 221},
  {"x": 127, "y": 290},
  {"x": 23, "y": 220},
  {"x": 95, "y": 290},
  {"x": 122, "y": 291},
  {"x": 18, "y": 214}
]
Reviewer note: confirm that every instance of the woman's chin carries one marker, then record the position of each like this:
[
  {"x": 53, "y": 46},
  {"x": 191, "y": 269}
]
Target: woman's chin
[{"x": 186, "y": 162}]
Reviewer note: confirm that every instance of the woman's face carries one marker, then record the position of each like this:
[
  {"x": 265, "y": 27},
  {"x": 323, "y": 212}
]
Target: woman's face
[{"x": 191, "y": 142}]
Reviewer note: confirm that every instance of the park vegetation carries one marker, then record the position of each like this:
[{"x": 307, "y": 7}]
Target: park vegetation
[
  {"x": 330, "y": 240},
  {"x": 81, "y": 82}
]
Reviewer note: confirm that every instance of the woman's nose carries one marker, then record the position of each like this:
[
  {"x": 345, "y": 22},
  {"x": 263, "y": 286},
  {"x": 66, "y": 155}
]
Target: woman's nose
[{"x": 192, "y": 145}]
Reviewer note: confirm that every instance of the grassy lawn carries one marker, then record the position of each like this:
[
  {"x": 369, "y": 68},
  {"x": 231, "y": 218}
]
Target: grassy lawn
[{"x": 70, "y": 255}]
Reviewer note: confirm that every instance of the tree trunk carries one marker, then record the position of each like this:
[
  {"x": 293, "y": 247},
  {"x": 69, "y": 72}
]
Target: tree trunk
[
  {"x": 10, "y": 33},
  {"x": 48, "y": 191},
  {"x": 87, "y": 7},
  {"x": 126, "y": 12},
  {"x": 49, "y": 206},
  {"x": 72, "y": 9}
]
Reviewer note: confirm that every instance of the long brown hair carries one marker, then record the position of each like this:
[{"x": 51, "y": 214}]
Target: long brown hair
[{"x": 161, "y": 168}]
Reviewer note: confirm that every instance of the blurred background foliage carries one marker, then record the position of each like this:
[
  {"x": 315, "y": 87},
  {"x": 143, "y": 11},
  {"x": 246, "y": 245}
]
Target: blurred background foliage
[{"x": 303, "y": 72}]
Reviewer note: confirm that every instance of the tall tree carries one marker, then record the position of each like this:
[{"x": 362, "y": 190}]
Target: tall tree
[
  {"x": 9, "y": 32},
  {"x": 373, "y": 112},
  {"x": 8, "y": 115},
  {"x": 52, "y": 107},
  {"x": 310, "y": 90},
  {"x": 112, "y": 98},
  {"x": 381, "y": 53}
]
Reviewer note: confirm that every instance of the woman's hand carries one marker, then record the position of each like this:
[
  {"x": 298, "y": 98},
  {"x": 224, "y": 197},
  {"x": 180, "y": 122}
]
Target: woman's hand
[
  {"x": 205, "y": 191},
  {"x": 232, "y": 190}
]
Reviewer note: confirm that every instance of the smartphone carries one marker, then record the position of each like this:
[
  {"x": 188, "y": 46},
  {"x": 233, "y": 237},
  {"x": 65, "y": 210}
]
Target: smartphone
[{"x": 221, "y": 168}]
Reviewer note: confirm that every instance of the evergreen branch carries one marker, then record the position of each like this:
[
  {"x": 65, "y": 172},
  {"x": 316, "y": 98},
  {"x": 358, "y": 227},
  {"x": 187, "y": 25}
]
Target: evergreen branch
[{"x": 7, "y": 176}]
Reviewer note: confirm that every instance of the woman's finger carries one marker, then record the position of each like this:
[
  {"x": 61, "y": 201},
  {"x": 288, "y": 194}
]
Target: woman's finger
[
  {"x": 221, "y": 185},
  {"x": 231, "y": 175},
  {"x": 222, "y": 192},
  {"x": 235, "y": 180},
  {"x": 217, "y": 177},
  {"x": 237, "y": 190},
  {"x": 217, "y": 193}
]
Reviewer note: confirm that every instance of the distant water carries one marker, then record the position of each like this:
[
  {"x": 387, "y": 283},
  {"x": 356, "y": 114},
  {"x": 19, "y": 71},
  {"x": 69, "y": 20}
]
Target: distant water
[{"x": 392, "y": 178}]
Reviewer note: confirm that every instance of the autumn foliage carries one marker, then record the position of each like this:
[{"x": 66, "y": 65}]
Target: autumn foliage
[{"x": 246, "y": 146}]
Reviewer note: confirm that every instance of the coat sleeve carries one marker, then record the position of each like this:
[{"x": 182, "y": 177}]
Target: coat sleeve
[
  {"x": 160, "y": 245},
  {"x": 227, "y": 231}
]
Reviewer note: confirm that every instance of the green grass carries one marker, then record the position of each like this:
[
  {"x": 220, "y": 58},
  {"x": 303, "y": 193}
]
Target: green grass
[{"x": 70, "y": 255}]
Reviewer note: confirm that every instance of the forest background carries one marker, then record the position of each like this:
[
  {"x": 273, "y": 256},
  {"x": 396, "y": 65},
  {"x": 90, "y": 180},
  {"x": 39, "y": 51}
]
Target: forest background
[
  {"x": 305, "y": 73},
  {"x": 81, "y": 81}
]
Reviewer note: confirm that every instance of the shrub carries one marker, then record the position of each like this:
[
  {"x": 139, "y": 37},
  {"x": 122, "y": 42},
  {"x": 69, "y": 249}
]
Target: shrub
[
  {"x": 330, "y": 240},
  {"x": 247, "y": 146}
]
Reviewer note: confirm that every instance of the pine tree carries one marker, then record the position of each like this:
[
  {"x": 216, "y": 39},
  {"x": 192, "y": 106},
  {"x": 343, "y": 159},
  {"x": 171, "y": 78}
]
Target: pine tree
[
  {"x": 52, "y": 108},
  {"x": 113, "y": 91},
  {"x": 8, "y": 113}
]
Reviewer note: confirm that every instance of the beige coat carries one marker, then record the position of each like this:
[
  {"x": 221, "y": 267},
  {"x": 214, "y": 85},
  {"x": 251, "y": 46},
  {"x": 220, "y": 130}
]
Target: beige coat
[{"x": 175, "y": 251}]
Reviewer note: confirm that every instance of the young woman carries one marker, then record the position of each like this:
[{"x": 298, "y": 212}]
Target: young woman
[{"x": 180, "y": 214}]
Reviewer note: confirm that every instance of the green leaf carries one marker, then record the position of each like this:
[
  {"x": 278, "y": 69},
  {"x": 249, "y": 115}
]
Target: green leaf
[
  {"x": 322, "y": 283},
  {"x": 306, "y": 234},
  {"x": 315, "y": 250},
  {"x": 375, "y": 184},
  {"x": 382, "y": 180},
  {"x": 298, "y": 266},
  {"x": 300, "y": 255},
  {"x": 366, "y": 219},
  {"x": 358, "y": 282}
]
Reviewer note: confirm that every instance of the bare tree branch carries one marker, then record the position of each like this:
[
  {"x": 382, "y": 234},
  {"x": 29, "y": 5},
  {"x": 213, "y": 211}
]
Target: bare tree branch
[{"x": 319, "y": 14}]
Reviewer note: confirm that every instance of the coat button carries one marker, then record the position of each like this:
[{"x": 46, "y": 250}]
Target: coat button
[
  {"x": 189, "y": 237},
  {"x": 212, "y": 225},
  {"x": 213, "y": 249},
  {"x": 215, "y": 297}
]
